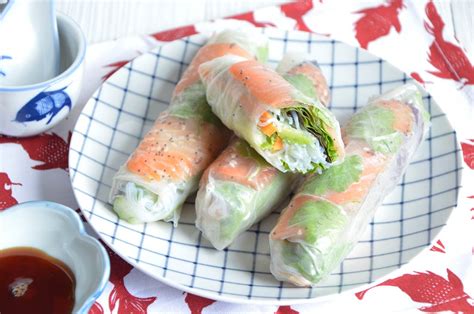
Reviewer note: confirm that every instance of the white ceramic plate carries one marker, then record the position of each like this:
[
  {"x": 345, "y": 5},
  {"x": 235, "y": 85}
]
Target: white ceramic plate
[{"x": 124, "y": 108}]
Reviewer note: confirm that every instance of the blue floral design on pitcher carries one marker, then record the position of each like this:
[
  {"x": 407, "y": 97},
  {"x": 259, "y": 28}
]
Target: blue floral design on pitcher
[{"x": 43, "y": 105}]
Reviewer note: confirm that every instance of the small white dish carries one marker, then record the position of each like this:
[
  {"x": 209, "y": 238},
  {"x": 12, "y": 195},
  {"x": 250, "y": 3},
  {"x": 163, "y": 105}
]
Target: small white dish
[
  {"x": 31, "y": 109},
  {"x": 29, "y": 52},
  {"x": 58, "y": 231}
]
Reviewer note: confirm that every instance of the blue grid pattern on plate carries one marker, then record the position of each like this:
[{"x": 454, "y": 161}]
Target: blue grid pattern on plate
[{"x": 400, "y": 229}]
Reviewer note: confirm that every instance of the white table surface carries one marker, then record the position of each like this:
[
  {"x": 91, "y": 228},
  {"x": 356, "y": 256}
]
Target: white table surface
[{"x": 109, "y": 19}]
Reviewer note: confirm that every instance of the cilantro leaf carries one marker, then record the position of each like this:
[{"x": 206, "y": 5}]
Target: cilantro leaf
[{"x": 337, "y": 178}]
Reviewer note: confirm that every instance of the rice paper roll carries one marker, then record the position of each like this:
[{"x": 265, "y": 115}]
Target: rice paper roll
[
  {"x": 305, "y": 75},
  {"x": 166, "y": 166},
  {"x": 330, "y": 212},
  {"x": 236, "y": 191},
  {"x": 189, "y": 95},
  {"x": 240, "y": 187},
  {"x": 290, "y": 130}
]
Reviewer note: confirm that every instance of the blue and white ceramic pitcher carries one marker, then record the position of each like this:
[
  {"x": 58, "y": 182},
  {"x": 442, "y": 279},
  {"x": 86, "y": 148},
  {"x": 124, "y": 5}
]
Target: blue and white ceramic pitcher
[{"x": 29, "y": 43}]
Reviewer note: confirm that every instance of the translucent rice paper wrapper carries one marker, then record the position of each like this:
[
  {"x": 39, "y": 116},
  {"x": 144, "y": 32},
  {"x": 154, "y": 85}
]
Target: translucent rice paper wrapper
[
  {"x": 330, "y": 212},
  {"x": 305, "y": 75},
  {"x": 240, "y": 92},
  {"x": 165, "y": 169},
  {"x": 236, "y": 191},
  {"x": 168, "y": 163}
]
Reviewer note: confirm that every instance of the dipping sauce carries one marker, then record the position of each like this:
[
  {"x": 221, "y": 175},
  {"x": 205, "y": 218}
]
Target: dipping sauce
[{"x": 33, "y": 282}]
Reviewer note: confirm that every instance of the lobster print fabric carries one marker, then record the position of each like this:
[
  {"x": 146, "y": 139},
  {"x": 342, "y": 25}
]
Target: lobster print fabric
[{"x": 412, "y": 35}]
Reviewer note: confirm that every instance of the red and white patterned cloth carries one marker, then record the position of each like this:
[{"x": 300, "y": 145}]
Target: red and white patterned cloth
[{"x": 409, "y": 34}]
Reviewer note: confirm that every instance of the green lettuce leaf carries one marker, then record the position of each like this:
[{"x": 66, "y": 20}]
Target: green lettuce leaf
[
  {"x": 244, "y": 149},
  {"x": 192, "y": 103},
  {"x": 295, "y": 136},
  {"x": 128, "y": 210},
  {"x": 245, "y": 201},
  {"x": 374, "y": 124},
  {"x": 313, "y": 264},
  {"x": 420, "y": 105},
  {"x": 337, "y": 178},
  {"x": 262, "y": 53},
  {"x": 303, "y": 84},
  {"x": 122, "y": 208},
  {"x": 316, "y": 122},
  {"x": 269, "y": 142},
  {"x": 295, "y": 255},
  {"x": 237, "y": 196},
  {"x": 386, "y": 144},
  {"x": 320, "y": 219}
]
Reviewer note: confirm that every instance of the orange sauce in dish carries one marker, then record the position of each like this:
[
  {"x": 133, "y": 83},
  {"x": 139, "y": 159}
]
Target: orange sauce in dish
[{"x": 33, "y": 282}]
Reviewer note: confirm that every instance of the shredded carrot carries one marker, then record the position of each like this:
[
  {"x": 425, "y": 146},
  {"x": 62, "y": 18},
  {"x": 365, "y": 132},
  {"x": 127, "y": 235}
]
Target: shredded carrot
[
  {"x": 278, "y": 144},
  {"x": 265, "y": 117},
  {"x": 269, "y": 129}
]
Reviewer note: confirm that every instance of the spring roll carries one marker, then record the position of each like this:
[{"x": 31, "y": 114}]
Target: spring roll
[
  {"x": 166, "y": 166},
  {"x": 305, "y": 75},
  {"x": 330, "y": 212},
  {"x": 291, "y": 131},
  {"x": 236, "y": 191},
  {"x": 240, "y": 187}
]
